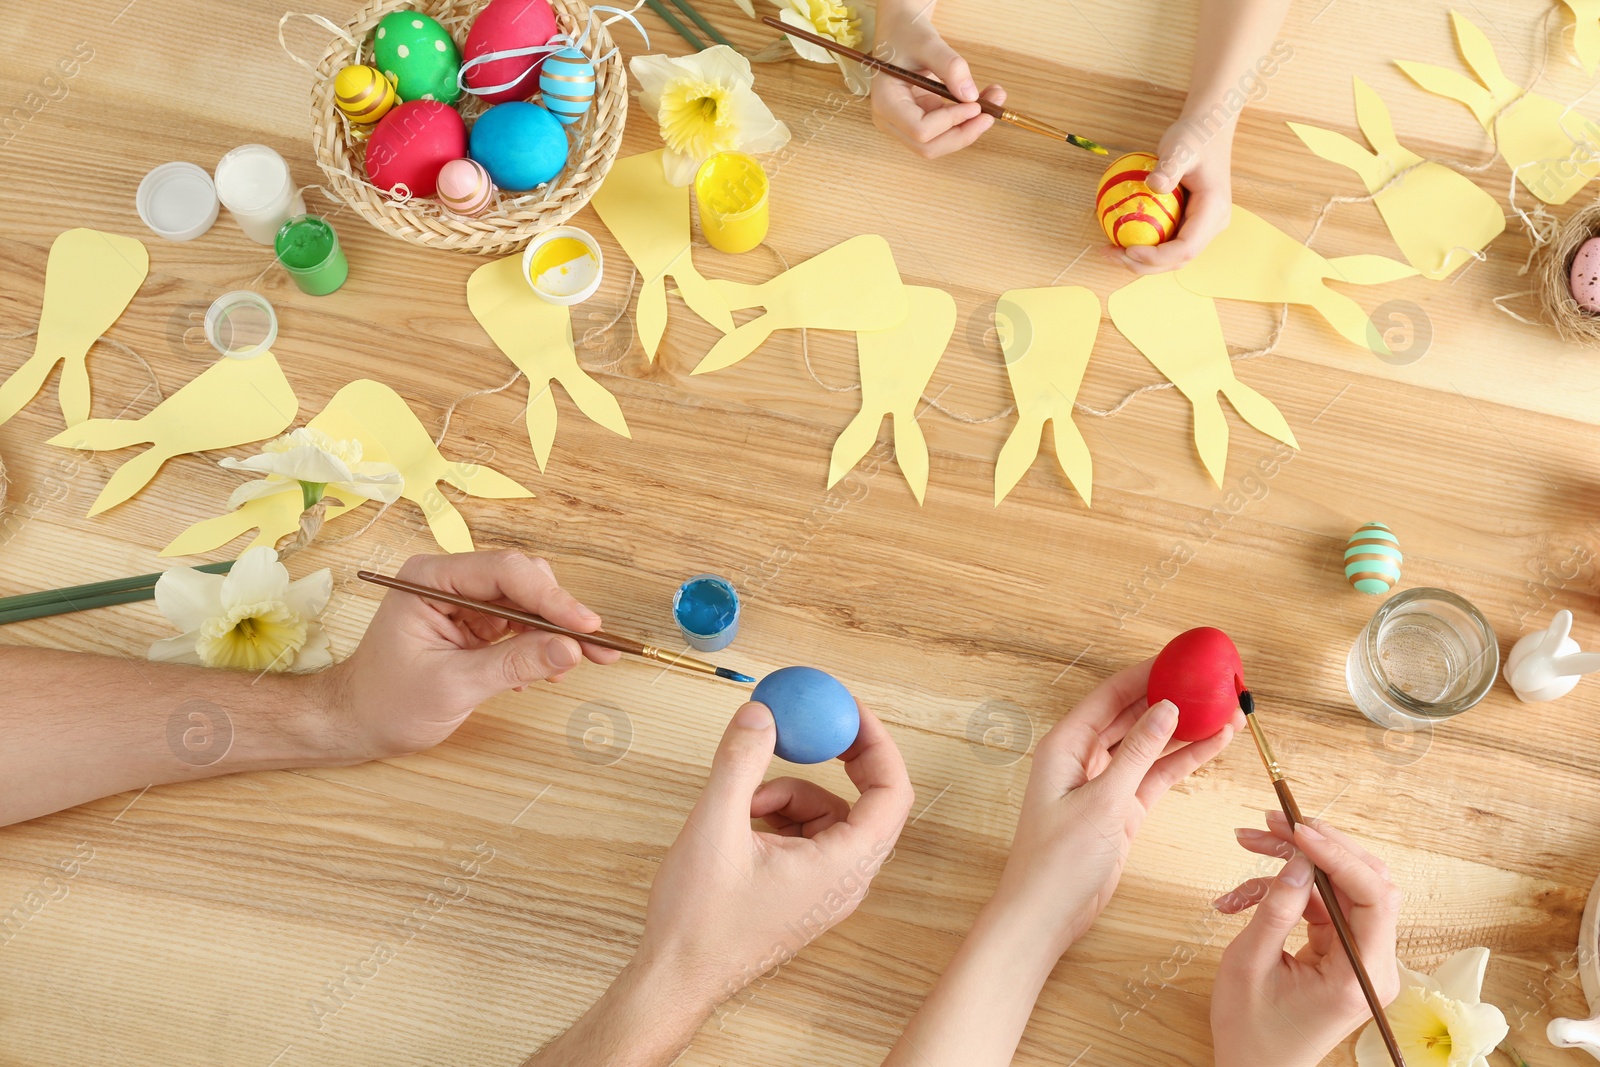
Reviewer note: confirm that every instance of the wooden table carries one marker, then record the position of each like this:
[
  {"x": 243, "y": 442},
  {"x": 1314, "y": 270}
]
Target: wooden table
[{"x": 506, "y": 871}]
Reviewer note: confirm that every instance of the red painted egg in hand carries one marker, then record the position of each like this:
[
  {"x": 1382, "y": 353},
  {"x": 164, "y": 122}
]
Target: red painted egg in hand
[
  {"x": 1199, "y": 671},
  {"x": 412, "y": 143}
]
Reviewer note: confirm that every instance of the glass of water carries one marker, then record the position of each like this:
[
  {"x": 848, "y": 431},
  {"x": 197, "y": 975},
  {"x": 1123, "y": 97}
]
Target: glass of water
[{"x": 1426, "y": 655}]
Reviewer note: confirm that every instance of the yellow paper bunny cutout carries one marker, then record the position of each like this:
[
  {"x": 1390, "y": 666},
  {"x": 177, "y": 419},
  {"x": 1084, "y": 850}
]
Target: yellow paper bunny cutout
[
  {"x": 389, "y": 432},
  {"x": 896, "y": 365},
  {"x": 1553, "y": 151},
  {"x": 1437, "y": 216},
  {"x": 650, "y": 219},
  {"x": 89, "y": 280},
  {"x": 1180, "y": 333},
  {"x": 1254, "y": 260},
  {"x": 1047, "y": 335},
  {"x": 536, "y": 335},
  {"x": 232, "y": 402},
  {"x": 852, "y": 286},
  {"x": 1586, "y": 32}
]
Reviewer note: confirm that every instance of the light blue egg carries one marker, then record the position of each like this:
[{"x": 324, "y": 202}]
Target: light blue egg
[
  {"x": 521, "y": 145},
  {"x": 815, "y": 714},
  {"x": 566, "y": 81}
]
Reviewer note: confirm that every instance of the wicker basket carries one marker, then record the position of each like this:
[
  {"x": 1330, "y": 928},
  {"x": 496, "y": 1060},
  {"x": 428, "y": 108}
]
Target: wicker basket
[{"x": 513, "y": 219}]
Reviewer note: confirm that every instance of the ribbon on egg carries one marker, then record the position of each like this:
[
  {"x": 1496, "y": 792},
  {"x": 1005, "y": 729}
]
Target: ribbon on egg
[{"x": 560, "y": 42}]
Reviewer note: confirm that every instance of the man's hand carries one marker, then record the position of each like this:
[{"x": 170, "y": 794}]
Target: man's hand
[
  {"x": 731, "y": 902},
  {"x": 424, "y": 665}
]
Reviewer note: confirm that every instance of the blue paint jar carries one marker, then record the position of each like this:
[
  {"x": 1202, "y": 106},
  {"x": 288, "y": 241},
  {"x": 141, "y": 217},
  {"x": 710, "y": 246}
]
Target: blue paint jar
[{"x": 706, "y": 609}]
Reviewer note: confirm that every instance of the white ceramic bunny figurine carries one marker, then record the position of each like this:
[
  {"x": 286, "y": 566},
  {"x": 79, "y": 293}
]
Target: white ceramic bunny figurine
[{"x": 1546, "y": 665}]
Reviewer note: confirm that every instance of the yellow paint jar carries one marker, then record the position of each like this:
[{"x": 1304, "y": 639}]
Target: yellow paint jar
[
  {"x": 731, "y": 189},
  {"x": 563, "y": 265}
]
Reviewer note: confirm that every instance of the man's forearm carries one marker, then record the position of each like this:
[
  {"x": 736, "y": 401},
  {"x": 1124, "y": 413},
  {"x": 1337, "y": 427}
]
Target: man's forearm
[{"x": 78, "y": 727}]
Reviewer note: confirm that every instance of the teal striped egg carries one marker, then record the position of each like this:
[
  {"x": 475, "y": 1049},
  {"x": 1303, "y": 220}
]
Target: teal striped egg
[
  {"x": 1372, "y": 559},
  {"x": 566, "y": 81}
]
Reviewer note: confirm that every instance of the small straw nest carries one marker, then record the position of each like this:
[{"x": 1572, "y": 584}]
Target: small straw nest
[
  {"x": 513, "y": 218},
  {"x": 1552, "y": 274}
]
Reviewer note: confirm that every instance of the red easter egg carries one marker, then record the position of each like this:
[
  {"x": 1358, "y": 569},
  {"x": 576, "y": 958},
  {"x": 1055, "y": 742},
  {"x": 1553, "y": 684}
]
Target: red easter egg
[
  {"x": 503, "y": 26},
  {"x": 1199, "y": 671},
  {"x": 411, "y": 143}
]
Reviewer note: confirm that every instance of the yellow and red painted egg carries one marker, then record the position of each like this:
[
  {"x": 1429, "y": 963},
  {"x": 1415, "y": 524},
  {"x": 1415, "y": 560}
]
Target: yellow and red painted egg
[
  {"x": 1130, "y": 212},
  {"x": 363, "y": 94},
  {"x": 465, "y": 188}
]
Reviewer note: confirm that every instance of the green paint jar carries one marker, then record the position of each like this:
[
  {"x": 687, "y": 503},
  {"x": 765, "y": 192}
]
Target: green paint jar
[{"x": 309, "y": 250}]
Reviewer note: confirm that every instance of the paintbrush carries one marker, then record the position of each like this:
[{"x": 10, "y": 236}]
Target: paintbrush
[
  {"x": 599, "y": 638},
  {"x": 1341, "y": 925},
  {"x": 922, "y": 81}
]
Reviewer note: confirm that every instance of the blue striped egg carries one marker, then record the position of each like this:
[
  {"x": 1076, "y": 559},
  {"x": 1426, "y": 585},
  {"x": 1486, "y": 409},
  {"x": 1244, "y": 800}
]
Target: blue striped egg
[
  {"x": 1372, "y": 559},
  {"x": 566, "y": 81}
]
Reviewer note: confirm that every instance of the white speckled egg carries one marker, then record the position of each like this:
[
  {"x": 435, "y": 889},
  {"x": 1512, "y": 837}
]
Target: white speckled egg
[
  {"x": 465, "y": 188},
  {"x": 1585, "y": 278}
]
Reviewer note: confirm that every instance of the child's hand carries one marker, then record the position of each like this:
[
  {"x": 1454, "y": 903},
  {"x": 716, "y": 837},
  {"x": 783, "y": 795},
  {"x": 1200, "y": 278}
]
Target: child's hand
[
  {"x": 1203, "y": 165},
  {"x": 1271, "y": 1007},
  {"x": 1096, "y": 775},
  {"x": 931, "y": 125}
]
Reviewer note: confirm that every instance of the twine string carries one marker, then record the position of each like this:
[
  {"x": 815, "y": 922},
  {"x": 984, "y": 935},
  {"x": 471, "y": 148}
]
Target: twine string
[{"x": 331, "y": 27}]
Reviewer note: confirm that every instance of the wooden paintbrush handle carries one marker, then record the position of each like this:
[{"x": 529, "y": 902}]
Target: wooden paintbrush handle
[
  {"x": 599, "y": 638},
  {"x": 872, "y": 62},
  {"x": 1341, "y": 926}
]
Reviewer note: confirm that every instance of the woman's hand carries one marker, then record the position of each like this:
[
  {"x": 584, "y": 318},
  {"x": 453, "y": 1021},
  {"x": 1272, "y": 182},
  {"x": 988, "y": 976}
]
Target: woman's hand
[
  {"x": 1096, "y": 775},
  {"x": 1271, "y": 1007}
]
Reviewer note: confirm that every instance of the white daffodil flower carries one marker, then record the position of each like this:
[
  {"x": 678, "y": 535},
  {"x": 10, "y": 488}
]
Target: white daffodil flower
[
  {"x": 311, "y": 462},
  {"x": 1438, "y": 1019},
  {"x": 705, "y": 104},
  {"x": 848, "y": 24},
  {"x": 251, "y": 619}
]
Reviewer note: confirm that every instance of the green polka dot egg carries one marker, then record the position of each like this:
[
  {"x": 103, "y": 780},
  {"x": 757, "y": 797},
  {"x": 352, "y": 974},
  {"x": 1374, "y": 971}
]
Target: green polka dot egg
[
  {"x": 418, "y": 56},
  {"x": 1372, "y": 559}
]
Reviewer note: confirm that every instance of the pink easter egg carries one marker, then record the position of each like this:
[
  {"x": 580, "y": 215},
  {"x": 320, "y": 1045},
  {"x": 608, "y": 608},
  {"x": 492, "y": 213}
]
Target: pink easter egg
[
  {"x": 465, "y": 188},
  {"x": 1585, "y": 278}
]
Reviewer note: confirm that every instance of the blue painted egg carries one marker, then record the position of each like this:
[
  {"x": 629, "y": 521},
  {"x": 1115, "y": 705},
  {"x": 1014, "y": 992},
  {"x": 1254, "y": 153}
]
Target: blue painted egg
[
  {"x": 1372, "y": 559},
  {"x": 566, "y": 85},
  {"x": 816, "y": 716},
  {"x": 521, "y": 145}
]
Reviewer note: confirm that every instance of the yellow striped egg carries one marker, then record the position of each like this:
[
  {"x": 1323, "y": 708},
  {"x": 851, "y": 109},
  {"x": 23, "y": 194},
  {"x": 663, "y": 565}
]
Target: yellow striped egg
[
  {"x": 1372, "y": 559},
  {"x": 465, "y": 188},
  {"x": 363, "y": 94},
  {"x": 566, "y": 80},
  {"x": 1130, "y": 212}
]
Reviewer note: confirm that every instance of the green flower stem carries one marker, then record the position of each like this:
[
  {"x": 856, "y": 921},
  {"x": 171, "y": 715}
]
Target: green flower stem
[
  {"x": 311, "y": 493},
  {"x": 80, "y": 593}
]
